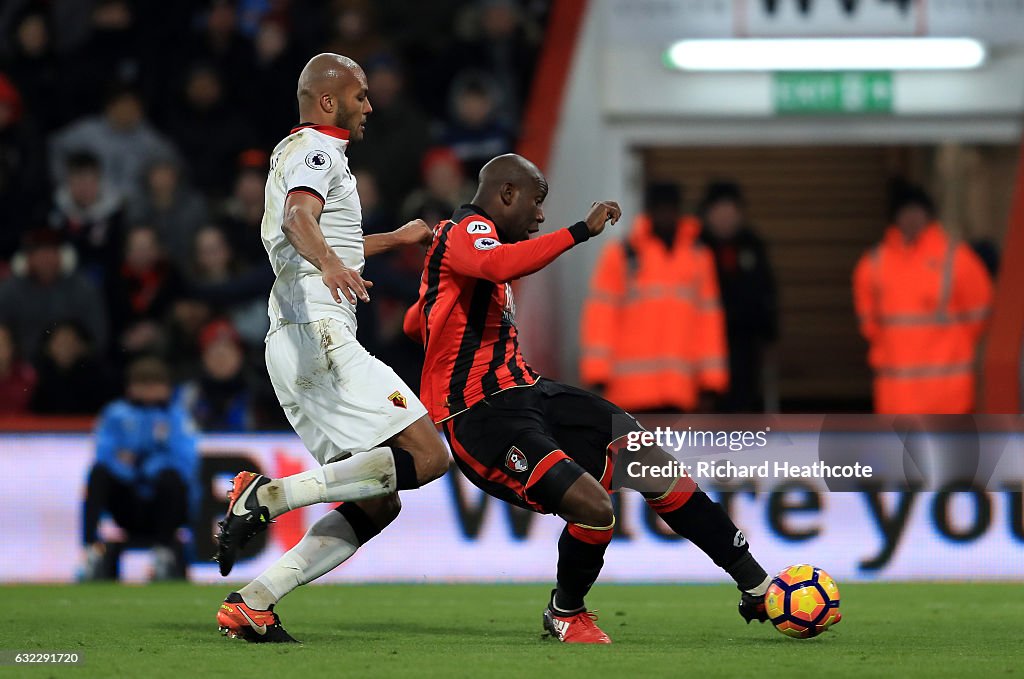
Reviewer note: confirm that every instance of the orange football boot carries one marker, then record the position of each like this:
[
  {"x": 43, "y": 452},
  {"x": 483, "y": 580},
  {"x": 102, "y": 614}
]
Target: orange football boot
[
  {"x": 245, "y": 518},
  {"x": 237, "y": 620},
  {"x": 574, "y": 628}
]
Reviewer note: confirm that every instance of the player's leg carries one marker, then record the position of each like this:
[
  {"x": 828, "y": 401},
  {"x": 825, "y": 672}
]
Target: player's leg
[
  {"x": 590, "y": 520},
  {"x": 249, "y": 612},
  {"x": 353, "y": 413},
  {"x": 425, "y": 457},
  {"x": 410, "y": 459},
  {"x": 691, "y": 514},
  {"x": 376, "y": 437},
  {"x": 595, "y": 429},
  {"x": 503, "y": 448},
  {"x": 327, "y": 544}
]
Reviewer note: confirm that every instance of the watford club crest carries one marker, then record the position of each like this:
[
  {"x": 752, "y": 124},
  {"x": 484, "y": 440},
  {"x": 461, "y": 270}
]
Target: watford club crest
[
  {"x": 398, "y": 400},
  {"x": 516, "y": 461}
]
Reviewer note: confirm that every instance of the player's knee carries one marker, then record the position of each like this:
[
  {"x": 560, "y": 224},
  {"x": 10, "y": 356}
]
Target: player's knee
[
  {"x": 587, "y": 503},
  {"x": 432, "y": 463},
  {"x": 600, "y": 510},
  {"x": 430, "y": 457}
]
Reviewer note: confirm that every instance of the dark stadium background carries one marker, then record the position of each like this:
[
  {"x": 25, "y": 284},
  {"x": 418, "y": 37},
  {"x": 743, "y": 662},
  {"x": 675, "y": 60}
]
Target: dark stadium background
[
  {"x": 162, "y": 115},
  {"x": 181, "y": 102}
]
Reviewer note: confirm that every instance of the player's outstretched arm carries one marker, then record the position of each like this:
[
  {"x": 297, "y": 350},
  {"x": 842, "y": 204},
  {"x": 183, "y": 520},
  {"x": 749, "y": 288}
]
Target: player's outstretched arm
[
  {"x": 411, "y": 233},
  {"x": 302, "y": 228},
  {"x": 500, "y": 263}
]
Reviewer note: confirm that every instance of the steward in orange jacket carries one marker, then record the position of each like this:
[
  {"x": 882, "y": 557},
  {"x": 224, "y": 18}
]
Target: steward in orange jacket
[
  {"x": 653, "y": 331},
  {"x": 922, "y": 298}
]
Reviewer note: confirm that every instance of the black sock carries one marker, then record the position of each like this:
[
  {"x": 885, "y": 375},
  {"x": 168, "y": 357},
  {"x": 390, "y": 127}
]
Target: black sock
[
  {"x": 705, "y": 524},
  {"x": 579, "y": 564},
  {"x": 362, "y": 525},
  {"x": 405, "y": 469}
]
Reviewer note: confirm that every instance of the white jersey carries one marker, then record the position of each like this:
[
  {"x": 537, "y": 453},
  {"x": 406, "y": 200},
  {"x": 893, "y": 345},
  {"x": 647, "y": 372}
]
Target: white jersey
[{"x": 311, "y": 160}]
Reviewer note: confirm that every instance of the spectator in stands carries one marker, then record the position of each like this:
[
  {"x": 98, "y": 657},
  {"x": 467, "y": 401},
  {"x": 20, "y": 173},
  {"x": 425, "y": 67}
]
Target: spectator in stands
[
  {"x": 444, "y": 188},
  {"x": 112, "y": 52},
  {"x": 73, "y": 379},
  {"x": 653, "y": 331},
  {"x": 219, "y": 400},
  {"x": 22, "y": 172},
  {"x": 188, "y": 317},
  {"x": 277, "y": 61},
  {"x": 377, "y": 215},
  {"x": 500, "y": 45},
  {"x": 145, "y": 475},
  {"x": 230, "y": 287},
  {"x": 171, "y": 206},
  {"x": 88, "y": 214},
  {"x": 475, "y": 131},
  {"x": 121, "y": 138},
  {"x": 17, "y": 377},
  {"x": 142, "y": 292},
  {"x": 220, "y": 44},
  {"x": 46, "y": 294},
  {"x": 747, "y": 287},
  {"x": 396, "y": 132},
  {"x": 355, "y": 31},
  {"x": 206, "y": 131},
  {"x": 923, "y": 299},
  {"x": 199, "y": 75},
  {"x": 242, "y": 214},
  {"x": 35, "y": 69}
]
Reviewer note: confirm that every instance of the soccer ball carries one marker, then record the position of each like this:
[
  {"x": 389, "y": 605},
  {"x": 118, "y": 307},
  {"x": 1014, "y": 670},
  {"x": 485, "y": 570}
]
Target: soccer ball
[{"x": 802, "y": 601}]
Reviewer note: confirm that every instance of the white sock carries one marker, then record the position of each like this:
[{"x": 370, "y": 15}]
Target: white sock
[
  {"x": 360, "y": 477},
  {"x": 328, "y": 544},
  {"x": 762, "y": 588}
]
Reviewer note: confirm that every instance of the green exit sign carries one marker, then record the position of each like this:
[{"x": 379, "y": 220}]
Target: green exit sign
[{"x": 829, "y": 92}]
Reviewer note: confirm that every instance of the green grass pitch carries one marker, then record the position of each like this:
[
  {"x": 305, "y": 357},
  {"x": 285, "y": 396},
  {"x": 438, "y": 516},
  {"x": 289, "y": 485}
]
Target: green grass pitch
[{"x": 888, "y": 630}]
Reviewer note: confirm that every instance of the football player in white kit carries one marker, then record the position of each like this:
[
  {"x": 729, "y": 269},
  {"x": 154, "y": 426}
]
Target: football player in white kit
[{"x": 368, "y": 431}]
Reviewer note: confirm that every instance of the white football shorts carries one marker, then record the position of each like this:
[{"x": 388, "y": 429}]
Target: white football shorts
[{"x": 337, "y": 397}]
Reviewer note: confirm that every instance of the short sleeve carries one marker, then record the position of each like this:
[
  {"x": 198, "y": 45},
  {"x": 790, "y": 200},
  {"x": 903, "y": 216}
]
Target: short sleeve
[{"x": 314, "y": 170}]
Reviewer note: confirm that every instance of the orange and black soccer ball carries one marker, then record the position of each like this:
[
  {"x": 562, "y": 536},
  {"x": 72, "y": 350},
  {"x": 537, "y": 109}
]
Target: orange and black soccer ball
[{"x": 803, "y": 601}]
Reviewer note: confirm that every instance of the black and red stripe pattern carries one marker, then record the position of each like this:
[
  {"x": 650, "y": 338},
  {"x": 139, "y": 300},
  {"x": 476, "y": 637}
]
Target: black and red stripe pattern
[{"x": 465, "y": 316}]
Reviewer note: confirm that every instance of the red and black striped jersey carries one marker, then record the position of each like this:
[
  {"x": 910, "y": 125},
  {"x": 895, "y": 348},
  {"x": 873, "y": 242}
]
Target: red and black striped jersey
[{"x": 465, "y": 314}]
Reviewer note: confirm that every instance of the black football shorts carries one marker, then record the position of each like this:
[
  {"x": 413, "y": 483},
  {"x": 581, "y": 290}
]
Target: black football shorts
[{"x": 527, "y": 445}]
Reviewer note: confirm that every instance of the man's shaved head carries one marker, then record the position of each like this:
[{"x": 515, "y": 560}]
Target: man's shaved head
[
  {"x": 332, "y": 90},
  {"x": 511, "y": 191},
  {"x": 510, "y": 169}
]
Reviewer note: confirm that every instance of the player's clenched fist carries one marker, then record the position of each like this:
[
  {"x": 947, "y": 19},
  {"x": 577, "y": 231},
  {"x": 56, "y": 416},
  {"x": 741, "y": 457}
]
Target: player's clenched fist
[
  {"x": 600, "y": 213},
  {"x": 414, "y": 232},
  {"x": 338, "y": 277}
]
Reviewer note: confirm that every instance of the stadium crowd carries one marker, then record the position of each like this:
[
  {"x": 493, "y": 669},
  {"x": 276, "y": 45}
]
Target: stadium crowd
[
  {"x": 134, "y": 143},
  {"x": 134, "y": 147}
]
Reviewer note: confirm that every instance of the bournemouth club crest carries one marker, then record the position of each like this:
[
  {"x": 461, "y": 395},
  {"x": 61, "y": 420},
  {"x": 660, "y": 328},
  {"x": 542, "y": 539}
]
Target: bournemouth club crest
[
  {"x": 516, "y": 461},
  {"x": 398, "y": 400}
]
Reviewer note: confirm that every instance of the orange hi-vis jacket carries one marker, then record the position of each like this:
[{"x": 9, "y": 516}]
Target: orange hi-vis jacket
[
  {"x": 653, "y": 331},
  {"x": 922, "y": 307}
]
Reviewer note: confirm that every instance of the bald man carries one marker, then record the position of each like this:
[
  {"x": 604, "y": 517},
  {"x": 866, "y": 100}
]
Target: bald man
[
  {"x": 530, "y": 441},
  {"x": 370, "y": 435}
]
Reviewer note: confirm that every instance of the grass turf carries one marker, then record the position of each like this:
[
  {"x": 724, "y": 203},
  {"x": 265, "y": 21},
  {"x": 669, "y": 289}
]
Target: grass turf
[{"x": 888, "y": 630}]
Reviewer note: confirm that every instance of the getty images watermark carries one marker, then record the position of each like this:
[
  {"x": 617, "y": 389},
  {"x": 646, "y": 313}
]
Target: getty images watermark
[
  {"x": 692, "y": 442},
  {"x": 826, "y": 453}
]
